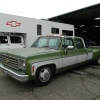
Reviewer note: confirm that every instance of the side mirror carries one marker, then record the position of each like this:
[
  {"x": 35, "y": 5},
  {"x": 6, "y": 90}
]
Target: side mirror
[{"x": 70, "y": 47}]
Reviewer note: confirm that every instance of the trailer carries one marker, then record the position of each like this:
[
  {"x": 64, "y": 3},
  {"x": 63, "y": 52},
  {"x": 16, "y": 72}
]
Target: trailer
[{"x": 19, "y": 32}]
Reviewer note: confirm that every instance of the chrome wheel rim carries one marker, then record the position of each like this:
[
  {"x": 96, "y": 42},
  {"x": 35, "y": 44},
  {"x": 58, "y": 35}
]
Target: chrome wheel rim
[{"x": 45, "y": 74}]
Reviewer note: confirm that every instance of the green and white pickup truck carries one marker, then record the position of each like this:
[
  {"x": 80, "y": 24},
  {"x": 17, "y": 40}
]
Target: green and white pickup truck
[{"x": 47, "y": 56}]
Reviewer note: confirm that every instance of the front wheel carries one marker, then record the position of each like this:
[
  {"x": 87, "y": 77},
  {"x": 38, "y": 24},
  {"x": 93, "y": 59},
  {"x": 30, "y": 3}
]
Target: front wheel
[{"x": 44, "y": 75}]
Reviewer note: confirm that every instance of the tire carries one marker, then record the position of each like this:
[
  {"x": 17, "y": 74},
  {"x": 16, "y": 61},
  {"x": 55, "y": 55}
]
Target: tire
[
  {"x": 98, "y": 60},
  {"x": 44, "y": 75}
]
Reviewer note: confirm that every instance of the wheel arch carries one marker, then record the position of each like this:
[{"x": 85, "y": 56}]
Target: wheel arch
[{"x": 51, "y": 65}]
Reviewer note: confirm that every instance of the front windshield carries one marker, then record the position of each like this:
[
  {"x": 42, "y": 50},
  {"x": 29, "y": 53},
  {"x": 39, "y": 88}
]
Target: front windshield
[{"x": 48, "y": 42}]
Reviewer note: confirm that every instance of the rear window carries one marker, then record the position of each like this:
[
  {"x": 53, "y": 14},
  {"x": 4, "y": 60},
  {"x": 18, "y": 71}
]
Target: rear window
[
  {"x": 79, "y": 43},
  {"x": 3, "y": 39},
  {"x": 15, "y": 39}
]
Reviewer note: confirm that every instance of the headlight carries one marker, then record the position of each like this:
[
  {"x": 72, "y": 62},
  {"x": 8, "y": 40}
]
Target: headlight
[{"x": 22, "y": 64}]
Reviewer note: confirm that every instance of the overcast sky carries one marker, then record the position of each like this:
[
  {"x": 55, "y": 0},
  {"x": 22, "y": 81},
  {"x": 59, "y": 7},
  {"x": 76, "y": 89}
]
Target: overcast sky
[{"x": 43, "y": 8}]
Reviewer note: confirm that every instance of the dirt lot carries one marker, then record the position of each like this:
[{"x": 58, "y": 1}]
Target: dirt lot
[{"x": 82, "y": 83}]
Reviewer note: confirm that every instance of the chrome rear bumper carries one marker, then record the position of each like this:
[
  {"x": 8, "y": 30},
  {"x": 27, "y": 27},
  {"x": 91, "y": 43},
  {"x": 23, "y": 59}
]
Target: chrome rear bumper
[{"x": 19, "y": 76}]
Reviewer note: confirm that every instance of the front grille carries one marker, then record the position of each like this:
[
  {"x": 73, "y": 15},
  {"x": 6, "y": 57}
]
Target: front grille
[{"x": 9, "y": 61}]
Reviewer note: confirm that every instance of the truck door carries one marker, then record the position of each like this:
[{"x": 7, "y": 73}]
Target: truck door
[
  {"x": 81, "y": 50},
  {"x": 4, "y": 44},
  {"x": 70, "y": 56},
  {"x": 16, "y": 42}
]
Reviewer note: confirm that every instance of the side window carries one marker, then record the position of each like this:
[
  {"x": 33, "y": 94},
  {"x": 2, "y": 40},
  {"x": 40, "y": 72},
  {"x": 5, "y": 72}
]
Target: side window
[
  {"x": 79, "y": 43},
  {"x": 67, "y": 42},
  {"x": 67, "y": 33},
  {"x": 15, "y": 39},
  {"x": 55, "y": 30},
  {"x": 3, "y": 39},
  {"x": 39, "y": 29}
]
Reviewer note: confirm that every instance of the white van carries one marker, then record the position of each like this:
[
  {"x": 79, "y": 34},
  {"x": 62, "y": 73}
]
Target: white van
[{"x": 11, "y": 42}]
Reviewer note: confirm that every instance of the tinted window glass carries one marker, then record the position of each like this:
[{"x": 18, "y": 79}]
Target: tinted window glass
[
  {"x": 15, "y": 39},
  {"x": 67, "y": 42},
  {"x": 39, "y": 29},
  {"x": 55, "y": 30},
  {"x": 79, "y": 43},
  {"x": 67, "y": 33},
  {"x": 3, "y": 39}
]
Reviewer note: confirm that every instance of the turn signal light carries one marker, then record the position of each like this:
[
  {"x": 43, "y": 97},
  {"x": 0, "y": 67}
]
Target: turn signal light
[{"x": 32, "y": 69}]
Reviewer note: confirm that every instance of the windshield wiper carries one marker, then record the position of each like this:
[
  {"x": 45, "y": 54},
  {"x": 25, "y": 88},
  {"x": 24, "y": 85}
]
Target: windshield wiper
[
  {"x": 34, "y": 45},
  {"x": 46, "y": 46}
]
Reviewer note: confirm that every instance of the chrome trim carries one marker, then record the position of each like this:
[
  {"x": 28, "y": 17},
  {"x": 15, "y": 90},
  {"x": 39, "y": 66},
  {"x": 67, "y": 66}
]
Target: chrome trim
[
  {"x": 21, "y": 77},
  {"x": 10, "y": 61}
]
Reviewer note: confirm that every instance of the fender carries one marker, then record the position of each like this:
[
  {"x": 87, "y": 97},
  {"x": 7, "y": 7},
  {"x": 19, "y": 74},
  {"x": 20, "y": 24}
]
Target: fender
[{"x": 56, "y": 62}]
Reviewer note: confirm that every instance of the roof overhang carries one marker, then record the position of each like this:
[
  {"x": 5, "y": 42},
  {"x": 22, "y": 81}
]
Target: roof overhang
[{"x": 84, "y": 21}]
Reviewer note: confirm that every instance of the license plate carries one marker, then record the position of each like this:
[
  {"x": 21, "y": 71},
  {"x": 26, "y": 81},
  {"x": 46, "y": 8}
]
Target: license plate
[{"x": 5, "y": 72}]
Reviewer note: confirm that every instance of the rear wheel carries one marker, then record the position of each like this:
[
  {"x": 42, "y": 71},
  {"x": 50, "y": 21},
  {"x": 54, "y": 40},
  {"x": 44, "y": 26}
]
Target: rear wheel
[
  {"x": 98, "y": 61},
  {"x": 44, "y": 75}
]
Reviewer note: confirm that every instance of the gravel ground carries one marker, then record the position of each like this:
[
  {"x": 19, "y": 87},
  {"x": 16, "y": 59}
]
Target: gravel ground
[{"x": 82, "y": 83}]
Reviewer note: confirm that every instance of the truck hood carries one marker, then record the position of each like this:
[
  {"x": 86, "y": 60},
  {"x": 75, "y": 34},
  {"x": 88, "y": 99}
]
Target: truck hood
[{"x": 26, "y": 52}]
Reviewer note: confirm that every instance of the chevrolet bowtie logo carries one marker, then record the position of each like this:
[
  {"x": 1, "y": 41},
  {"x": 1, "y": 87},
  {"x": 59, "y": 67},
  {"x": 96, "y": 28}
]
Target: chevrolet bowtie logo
[
  {"x": 7, "y": 61},
  {"x": 13, "y": 23}
]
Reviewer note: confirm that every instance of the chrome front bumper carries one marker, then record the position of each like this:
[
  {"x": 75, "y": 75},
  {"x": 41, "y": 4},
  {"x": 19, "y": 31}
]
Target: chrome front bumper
[{"x": 19, "y": 76}]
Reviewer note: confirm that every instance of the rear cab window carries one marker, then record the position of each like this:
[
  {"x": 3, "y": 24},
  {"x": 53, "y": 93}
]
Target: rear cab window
[{"x": 79, "y": 43}]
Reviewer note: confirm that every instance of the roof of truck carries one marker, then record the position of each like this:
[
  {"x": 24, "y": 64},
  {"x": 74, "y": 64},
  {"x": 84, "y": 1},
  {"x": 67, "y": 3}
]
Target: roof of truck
[{"x": 52, "y": 35}]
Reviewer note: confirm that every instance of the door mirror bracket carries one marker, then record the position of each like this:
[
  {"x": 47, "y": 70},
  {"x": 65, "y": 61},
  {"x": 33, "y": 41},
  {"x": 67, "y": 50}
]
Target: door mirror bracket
[{"x": 65, "y": 50}]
